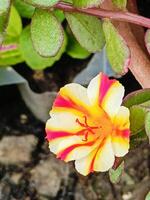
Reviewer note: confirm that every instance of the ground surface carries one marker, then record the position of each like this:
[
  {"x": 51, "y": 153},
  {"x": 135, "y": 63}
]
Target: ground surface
[{"x": 28, "y": 171}]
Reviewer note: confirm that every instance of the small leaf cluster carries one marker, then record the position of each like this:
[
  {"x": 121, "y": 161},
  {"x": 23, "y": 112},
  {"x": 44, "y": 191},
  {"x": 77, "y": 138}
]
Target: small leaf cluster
[
  {"x": 139, "y": 104},
  {"x": 51, "y": 32}
]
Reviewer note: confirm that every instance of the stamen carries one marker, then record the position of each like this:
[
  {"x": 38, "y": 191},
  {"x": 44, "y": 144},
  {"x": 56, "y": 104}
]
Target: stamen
[{"x": 86, "y": 129}]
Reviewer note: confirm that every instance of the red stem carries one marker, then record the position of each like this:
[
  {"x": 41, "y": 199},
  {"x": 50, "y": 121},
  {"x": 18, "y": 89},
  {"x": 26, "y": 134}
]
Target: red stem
[{"x": 101, "y": 13}]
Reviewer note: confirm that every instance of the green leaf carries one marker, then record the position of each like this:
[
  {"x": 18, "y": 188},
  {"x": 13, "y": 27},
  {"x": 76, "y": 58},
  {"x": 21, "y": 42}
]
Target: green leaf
[
  {"x": 117, "y": 51},
  {"x": 32, "y": 58},
  {"x": 74, "y": 49},
  {"x": 42, "y": 3},
  {"x": 14, "y": 27},
  {"x": 147, "y": 40},
  {"x": 4, "y": 15},
  {"x": 120, "y": 3},
  {"x": 24, "y": 9},
  {"x": 148, "y": 196},
  {"x": 11, "y": 56},
  {"x": 137, "y": 97},
  {"x": 87, "y": 3},
  {"x": 115, "y": 175},
  {"x": 147, "y": 125},
  {"x": 87, "y": 30},
  {"x": 137, "y": 118},
  {"x": 59, "y": 14},
  {"x": 9, "y": 52},
  {"x": 46, "y": 33}
]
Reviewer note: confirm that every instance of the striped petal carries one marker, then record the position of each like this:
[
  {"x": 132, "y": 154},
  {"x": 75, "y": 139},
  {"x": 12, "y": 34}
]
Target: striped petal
[
  {"x": 105, "y": 93},
  {"x": 66, "y": 138},
  {"x": 120, "y": 136},
  {"x": 62, "y": 121},
  {"x": 74, "y": 148},
  {"x": 71, "y": 97},
  {"x": 100, "y": 159}
]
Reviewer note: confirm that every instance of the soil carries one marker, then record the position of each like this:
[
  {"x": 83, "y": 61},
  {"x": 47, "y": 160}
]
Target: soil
[{"x": 24, "y": 179}]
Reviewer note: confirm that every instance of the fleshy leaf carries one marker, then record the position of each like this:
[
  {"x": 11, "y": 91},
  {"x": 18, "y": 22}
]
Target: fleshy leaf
[
  {"x": 115, "y": 175},
  {"x": 87, "y": 3},
  {"x": 59, "y": 14},
  {"x": 46, "y": 33},
  {"x": 148, "y": 196},
  {"x": 10, "y": 53},
  {"x": 117, "y": 50},
  {"x": 137, "y": 118},
  {"x": 4, "y": 15},
  {"x": 147, "y": 40},
  {"x": 137, "y": 97},
  {"x": 120, "y": 3},
  {"x": 74, "y": 49},
  {"x": 42, "y": 3},
  {"x": 24, "y": 9},
  {"x": 147, "y": 125},
  {"x": 14, "y": 27},
  {"x": 87, "y": 30},
  {"x": 33, "y": 59}
]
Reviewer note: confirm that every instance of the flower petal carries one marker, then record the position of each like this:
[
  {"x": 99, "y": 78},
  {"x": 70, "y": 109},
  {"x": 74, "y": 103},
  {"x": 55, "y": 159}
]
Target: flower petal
[
  {"x": 71, "y": 97},
  {"x": 101, "y": 159},
  {"x": 66, "y": 137},
  {"x": 105, "y": 93},
  {"x": 121, "y": 120},
  {"x": 62, "y": 121},
  {"x": 120, "y": 136},
  {"x": 74, "y": 148}
]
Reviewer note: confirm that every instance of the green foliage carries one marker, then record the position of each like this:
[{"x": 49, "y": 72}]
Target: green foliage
[
  {"x": 87, "y": 30},
  {"x": 148, "y": 196},
  {"x": 42, "y": 3},
  {"x": 147, "y": 125},
  {"x": 59, "y": 14},
  {"x": 139, "y": 104},
  {"x": 14, "y": 27},
  {"x": 120, "y": 3},
  {"x": 10, "y": 53},
  {"x": 74, "y": 49},
  {"x": 46, "y": 32},
  {"x": 137, "y": 118},
  {"x": 116, "y": 48},
  {"x": 24, "y": 9},
  {"x": 86, "y": 3},
  {"x": 137, "y": 97},
  {"x": 32, "y": 58},
  {"x": 4, "y": 15},
  {"x": 115, "y": 174}
]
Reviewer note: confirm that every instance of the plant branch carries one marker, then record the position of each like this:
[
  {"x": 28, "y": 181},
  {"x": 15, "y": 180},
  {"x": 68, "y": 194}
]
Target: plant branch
[
  {"x": 102, "y": 13},
  {"x": 140, "y": 63}
]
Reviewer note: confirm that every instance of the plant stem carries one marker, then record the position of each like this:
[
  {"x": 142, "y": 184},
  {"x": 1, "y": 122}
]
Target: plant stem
[{"x": 102, "y": 13}]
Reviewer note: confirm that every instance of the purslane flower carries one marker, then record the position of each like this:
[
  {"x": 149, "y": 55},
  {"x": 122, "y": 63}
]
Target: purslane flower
[{"x": 89, "y": 125}]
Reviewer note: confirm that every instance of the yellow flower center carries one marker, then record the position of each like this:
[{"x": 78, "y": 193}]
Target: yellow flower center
[{"x": 97, "y": 126}]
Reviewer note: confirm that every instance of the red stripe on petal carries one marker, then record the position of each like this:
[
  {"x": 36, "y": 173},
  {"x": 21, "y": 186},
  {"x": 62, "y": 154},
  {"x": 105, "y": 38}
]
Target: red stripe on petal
[
  {"x": 51, "y": 135},
  {"x": 63, "y": 154},
  {"x": 121, "y": 133},
  {"x": 93, "y": 160},
  {"x": 105, "y": 84},
  {"x": 62, "y": 102}
]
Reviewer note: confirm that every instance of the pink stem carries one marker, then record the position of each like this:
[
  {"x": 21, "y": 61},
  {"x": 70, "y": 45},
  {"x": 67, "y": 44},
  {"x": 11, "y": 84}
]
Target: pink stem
[{"x": 101, "y": 13}]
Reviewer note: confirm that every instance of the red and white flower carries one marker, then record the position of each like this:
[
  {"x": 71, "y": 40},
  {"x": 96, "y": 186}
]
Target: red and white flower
[{"x": 89, "y": 125}]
